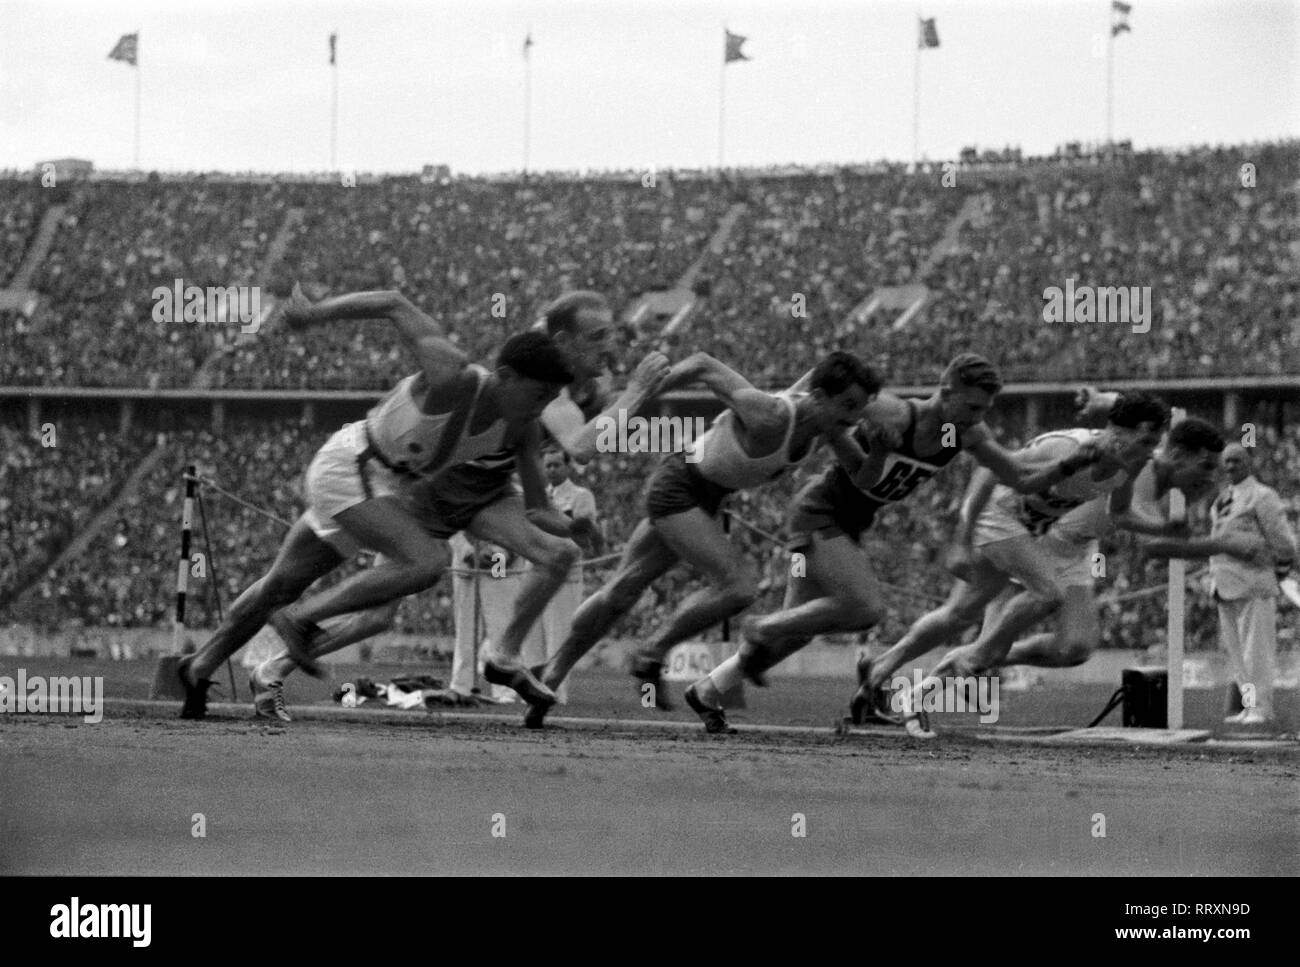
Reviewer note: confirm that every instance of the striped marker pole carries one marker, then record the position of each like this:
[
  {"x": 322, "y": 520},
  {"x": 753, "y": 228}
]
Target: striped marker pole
[
  {"x": 183, "y": 565},
  {"x": 1177, "y": 607}
]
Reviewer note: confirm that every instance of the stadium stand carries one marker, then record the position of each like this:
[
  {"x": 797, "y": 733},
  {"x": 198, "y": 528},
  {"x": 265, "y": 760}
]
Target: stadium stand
[{"x": 1214, "y": 252}]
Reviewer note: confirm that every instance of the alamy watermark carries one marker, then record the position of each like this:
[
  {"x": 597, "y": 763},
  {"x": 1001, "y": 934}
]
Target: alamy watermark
[
  {"x": 655, "y": 434},
  {"x": 970, "y": 693},
  {"x": 215, "y": 304},
  {"x": 61, "y": 695},
  {"x": 1107, "y": 303},
  {"x": 76, "y": 921}
]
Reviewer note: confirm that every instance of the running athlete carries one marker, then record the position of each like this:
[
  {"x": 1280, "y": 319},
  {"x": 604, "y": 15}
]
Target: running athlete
[
  {"x": 999, "y": 539},
  {"x": 756, "y": 439},
  {"x": 436, "y": 454},
  {"x": 1188, "y": 462},
  {"x": 898, "y": 445},
  {"x": 579, "y": 323}
]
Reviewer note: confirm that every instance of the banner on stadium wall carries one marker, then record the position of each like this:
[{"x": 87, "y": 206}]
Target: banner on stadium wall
[{"x": 690, "y": 661}]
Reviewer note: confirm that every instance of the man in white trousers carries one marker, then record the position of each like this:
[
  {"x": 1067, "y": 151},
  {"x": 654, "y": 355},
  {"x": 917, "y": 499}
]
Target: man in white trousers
[
  {"x": 482, "y": 604},
  {"x": 1246, "y": 592},
  {"x": 578, "y": 504}
]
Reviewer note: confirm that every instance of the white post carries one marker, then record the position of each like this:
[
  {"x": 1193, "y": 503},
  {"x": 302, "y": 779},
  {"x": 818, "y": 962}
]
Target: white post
[{"x": 1177, "y": 606}]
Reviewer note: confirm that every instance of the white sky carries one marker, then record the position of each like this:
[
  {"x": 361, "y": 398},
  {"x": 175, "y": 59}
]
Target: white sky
[{"x": 629, "y": 83}]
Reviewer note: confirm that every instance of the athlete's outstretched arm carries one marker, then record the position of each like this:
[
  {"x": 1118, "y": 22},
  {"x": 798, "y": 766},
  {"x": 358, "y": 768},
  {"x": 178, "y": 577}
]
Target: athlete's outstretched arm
[
  {"x": 978, "y": 492},
  {"x": 440, "y": 359},
  {"x": 803, "y": 384},
  {"x": 537, "y": 506},
  {"x": 1251, "y": 550},
  {"x": 753, "y": 407},
  {"x": 865, "y": 467},
  {"x": 1023, "y": 471},
  {"x": 1124, "y": 515},
  {"x": 958, "y": 559},
  {"x": 564, "y": 420}
]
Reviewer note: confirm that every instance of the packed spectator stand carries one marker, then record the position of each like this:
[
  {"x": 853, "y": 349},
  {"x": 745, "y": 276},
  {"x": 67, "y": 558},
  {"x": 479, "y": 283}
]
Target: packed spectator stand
[{"x": 483, "y": 255}]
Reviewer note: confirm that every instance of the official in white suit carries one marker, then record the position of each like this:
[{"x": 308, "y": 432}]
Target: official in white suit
[{"x": 1246, "y": 593}]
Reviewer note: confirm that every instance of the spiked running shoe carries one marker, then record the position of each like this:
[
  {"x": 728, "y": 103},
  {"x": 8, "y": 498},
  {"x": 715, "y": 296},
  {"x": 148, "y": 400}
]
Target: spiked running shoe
[
  {"x": 196, "y": 694},
  {"x": 871, "y": 705},
  {"x": 535, "y": 716},
  {"x": 514, "y": 675},
  {"x": 715, "y": 719},
  {"x": 861, "y": 702},
  {"x": 915, "y": 720},
  {"x": 647, "y": 671},
  {"x": 268, "y": 699}
]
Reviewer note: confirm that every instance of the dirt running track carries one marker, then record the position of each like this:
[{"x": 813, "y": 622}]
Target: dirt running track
[{"x": 335, "y": 798}]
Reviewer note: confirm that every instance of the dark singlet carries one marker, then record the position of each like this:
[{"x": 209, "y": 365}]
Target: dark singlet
[
  {"x": 833, "y": 499},
  {"x": 904, "y": 470}
]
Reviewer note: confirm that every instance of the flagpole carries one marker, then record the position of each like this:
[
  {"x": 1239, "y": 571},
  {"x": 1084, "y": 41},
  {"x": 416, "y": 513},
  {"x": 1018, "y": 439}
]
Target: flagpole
[
  {"x": 722, "y": 103},
  {"x": 916, "y": 98},
  {"x": 137, "y": 101},
  {"x": 334, "y": 106},
  {"x": 1110, "y": 90},
  {"x": 722, "y": 112},
  {"x": 528, "y": 96}
]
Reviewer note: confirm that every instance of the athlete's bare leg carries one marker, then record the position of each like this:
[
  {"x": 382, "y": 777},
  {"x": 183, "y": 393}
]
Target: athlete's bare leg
[
  {"x": 1076, "y": 638},
  {"x": 506, "y": 523},
  {"x": 998, "y": 634},
  {"x": 839, "y": 593},
  {"x": 348, "y": 630},
  {"x": 966, "y": 601},
  {"x": 302, "y": 559},
  {"x": 414, "y": 561},
  {"x": 646, "y": 558},
  {"x": 994, "y": 566},
  {"x": 700, "y": 541}
]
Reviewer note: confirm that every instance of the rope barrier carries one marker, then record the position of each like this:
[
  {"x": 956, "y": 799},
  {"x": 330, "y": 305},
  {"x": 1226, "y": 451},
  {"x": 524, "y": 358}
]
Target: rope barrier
[
  {"x": 603, "y": 559},
  {"x": 921, "y": 595},
  {"x": 207, "y": 482},
  {"x": 239, "y": 500}
]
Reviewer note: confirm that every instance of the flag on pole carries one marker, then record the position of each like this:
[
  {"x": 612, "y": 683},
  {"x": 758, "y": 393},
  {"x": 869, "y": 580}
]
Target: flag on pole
[
  {"x": 929, "y": 36},
  {"x": 1119, "y": 23},
  {"x": 333, "y": 47},
  {"x": 734, "y": 44},
  {"x": 126, "y": 49},
  {"x": 528, "y": 45}
]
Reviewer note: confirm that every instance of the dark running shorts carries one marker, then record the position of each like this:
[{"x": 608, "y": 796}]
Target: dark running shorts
[
  {"x": 676, "y": 486},
  {"x": 828, "y": 503},
  {"x": 448, "y": 502}
]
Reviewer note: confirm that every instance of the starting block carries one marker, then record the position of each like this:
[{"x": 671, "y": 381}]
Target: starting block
[{"x": 1146, "y": 697}]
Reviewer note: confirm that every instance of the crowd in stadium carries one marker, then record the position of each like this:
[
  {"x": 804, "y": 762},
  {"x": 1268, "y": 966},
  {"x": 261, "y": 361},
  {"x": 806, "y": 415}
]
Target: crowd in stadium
[
  {"x": 51, "y": 485},
  {"x": 19, "y": 216},
  {"x": 483, "y": 257},
  {"x": 125, "y": 578}
]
